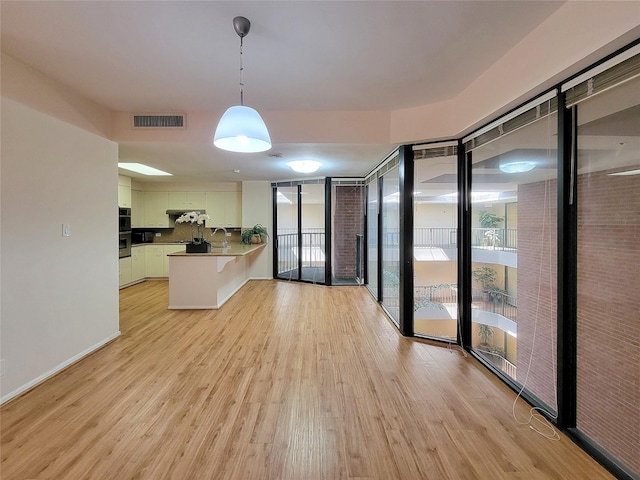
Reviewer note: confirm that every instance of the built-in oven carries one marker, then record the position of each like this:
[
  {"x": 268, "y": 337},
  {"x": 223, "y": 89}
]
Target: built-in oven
[
  {"x": 124, "y": 249},
  {"x": 124, "y": 216}
]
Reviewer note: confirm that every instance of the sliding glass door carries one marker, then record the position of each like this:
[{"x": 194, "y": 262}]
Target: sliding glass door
[
  {"x": 287, "y": 236},
  {"x": 300, "y": 219}
]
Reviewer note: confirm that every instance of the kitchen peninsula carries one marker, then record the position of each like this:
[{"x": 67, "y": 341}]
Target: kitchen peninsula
[{"x": 208, "y": 280}]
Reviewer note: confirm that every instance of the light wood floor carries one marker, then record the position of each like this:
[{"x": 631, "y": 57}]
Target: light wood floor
[{"x": 286, "y": 381}]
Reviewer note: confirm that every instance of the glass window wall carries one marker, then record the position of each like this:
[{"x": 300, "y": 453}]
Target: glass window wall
[
  {"x": 372, "y": 236},
  {"x": 435, "y": 252},
  {"x": 608, "y": 304},
  {"x": 513, "y": 244},
  {"x": 391, "y": 243}
]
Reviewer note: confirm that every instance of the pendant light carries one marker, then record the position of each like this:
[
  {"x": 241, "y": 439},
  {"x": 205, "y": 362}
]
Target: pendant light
[{"x": 241, "y": 128}]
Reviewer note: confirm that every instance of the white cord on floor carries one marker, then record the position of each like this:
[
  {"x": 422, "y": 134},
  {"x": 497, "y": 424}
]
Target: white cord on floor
[{"x": 543, "y": 422}]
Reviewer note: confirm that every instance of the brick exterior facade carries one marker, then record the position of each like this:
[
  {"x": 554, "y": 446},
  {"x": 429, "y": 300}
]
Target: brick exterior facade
[
  {"x": 608, "y": 359},
  {"x": 609, "y": 313},
  {"x": 348, "y": 220},
  {"x": 537, "y": 279}
]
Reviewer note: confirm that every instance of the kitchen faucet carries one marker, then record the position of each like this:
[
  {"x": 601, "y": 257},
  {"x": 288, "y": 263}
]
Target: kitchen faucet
[{"x": 225, "y": 244}]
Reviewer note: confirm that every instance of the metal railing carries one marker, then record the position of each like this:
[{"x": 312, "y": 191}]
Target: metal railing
[
  {"x": 495, "y": 238},
  {"x": 435, "y": 237},
  {"x": 446, "y": 237},
  {"x": 313, "y": 248},
  {"x": 444, "y": 293},
  {"x": 495, "y": 302},
  {"x": 500, "y": 362}
]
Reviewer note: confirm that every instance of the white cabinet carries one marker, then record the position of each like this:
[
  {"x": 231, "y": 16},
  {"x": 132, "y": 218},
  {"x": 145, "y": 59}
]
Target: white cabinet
[
  {"x": 138, "y": 262},
  {"x": 124, "y": 191},
  {"x": 154, "y": 260},
  {"x": 187, "y": 201},
  {"x": 137, "y": 209},
  {"x": 224, "y": 208},
  {"x": 156, "y": 205},
  {"x": 167, "y": 250},
  {"x": 125, "y": 270}
]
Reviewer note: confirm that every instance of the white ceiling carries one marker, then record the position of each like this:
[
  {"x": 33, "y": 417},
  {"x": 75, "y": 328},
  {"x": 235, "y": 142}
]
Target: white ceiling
[{"x": 183, "y": 56}]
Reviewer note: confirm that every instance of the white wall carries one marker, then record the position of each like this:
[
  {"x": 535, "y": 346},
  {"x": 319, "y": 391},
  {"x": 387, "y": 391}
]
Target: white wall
[
  {"x": 59, "y": 295},
  {"x": 435, "y": 215},
  {"x": 257, "y": 208}
]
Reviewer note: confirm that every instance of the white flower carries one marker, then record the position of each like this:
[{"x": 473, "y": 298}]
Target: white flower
[
  {"x": 189, "y": 217},
  {"x": 203, "y": 217}
]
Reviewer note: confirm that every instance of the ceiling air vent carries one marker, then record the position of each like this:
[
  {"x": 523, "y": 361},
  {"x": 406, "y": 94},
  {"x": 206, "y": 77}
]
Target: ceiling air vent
[{"x": 159, "y": 121}]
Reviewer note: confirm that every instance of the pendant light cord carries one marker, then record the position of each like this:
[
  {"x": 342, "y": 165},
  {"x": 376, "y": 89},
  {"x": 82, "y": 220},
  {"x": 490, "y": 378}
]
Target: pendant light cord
[{"x": 241, "y": 75}]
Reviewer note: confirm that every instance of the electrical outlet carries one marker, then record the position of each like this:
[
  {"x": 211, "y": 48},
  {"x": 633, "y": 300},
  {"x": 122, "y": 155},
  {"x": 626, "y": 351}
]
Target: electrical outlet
[
  {"x": 66, "y": 230},
  {"x": 158, "y": 234},
  {"x": 228, "y": 234}
]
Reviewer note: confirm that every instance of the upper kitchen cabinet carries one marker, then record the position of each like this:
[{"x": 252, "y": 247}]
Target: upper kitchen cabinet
[
  {"x": 224, "y": 208},
  {"x": 187, "y": 201},
  {"x": 156, "y": 205},
  {"x": 124, "y": 191}
]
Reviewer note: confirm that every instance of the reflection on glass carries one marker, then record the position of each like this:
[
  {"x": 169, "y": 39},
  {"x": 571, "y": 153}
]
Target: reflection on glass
[
  {"x": 301, "y": 252},
  {"x": 435, "y": 255},
  {"x": 372, "y": 237},
  {"x": 514, "y": 255},
  {"x": 391, "y": 243},
  {"x": 608, "y": 304}
]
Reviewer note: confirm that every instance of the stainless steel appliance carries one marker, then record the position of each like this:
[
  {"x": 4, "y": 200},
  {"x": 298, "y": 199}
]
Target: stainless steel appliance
[
  {"x": 124, "y": 247},
  {"x": 124, "y": 227},
  {"x": 124, "y": 216},
  {"x": 142, "y": 237}
]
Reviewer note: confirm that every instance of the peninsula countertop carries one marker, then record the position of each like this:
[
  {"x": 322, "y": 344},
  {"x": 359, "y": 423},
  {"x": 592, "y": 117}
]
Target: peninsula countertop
[{"x": 232, "y": 250}]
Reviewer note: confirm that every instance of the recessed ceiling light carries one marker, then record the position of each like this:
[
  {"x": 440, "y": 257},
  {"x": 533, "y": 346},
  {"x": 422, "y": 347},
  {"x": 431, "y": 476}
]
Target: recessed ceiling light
[
  {"x": 628, "y": 172},
  {"x": 142, "y": 169},
  {"x": 517, "y": 167},
  {"x": 304, "y": 166}
]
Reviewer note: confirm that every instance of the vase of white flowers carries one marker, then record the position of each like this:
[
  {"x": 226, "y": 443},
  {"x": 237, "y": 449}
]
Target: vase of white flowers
[{"x": 198, "y": 243}]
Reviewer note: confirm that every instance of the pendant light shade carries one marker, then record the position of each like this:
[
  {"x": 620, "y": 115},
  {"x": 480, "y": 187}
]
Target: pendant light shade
[{"x": 241, "y": 128}]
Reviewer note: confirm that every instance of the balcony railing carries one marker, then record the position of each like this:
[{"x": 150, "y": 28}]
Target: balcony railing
[
  {"x": 444, "y": 293},
  {"x": 499, "y": 361},
  {"x": 495, "y": 238},
  {"x": 495, "y": 302},
  {"x": 313, "y": 248},
  {"x": 505, "y": 239},
  {"x": 435, "y": 237},
  {"x": 489, "y": 301}
]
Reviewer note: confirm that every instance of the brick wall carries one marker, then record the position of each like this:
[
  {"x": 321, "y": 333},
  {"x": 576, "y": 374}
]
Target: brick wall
[
  {"x": 609, "y": 313},
  {"x": 537, "y": 279},
  {"x": 348, "y": 220},
  {"x": 608, "y": 360}
]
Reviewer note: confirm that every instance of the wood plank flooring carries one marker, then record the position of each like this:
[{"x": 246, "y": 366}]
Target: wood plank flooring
[{"x": 286, "y": 381}]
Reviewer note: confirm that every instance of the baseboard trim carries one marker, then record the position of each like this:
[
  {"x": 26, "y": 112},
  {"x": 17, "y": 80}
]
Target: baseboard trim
[{"x": 45, "y": 376}]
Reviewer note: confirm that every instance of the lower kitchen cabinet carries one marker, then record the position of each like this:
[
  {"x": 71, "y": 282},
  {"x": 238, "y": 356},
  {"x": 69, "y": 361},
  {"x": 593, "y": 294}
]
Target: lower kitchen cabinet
[
  {"x": 147, "y": 261},
  {"x": 138, "y": 263},
  {"x": 154, "y": 260},
  {"x": 125, "y": 270}
]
